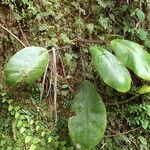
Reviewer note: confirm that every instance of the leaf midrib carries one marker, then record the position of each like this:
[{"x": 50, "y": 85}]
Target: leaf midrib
[{"x": 87, "y": 113}]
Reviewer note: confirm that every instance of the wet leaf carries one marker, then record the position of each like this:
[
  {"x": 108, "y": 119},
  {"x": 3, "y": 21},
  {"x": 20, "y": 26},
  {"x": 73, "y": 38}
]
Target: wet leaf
[
  {"x": 110, "y": 69},
  {"x": 133, "y": 56}
]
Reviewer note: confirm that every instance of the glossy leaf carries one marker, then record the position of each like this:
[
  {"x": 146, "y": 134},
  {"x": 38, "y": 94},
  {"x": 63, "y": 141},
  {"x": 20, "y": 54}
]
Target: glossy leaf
[
  {"x": 110, "y": 69},
  {"x": 88, "y": 126},
  {"x": 26, "y": 66},
  {"x": 133, "y": 56}
]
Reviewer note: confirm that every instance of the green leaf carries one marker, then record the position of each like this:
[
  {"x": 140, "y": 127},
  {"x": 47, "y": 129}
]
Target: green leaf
[
  {"x": 22, "y": 130},
  {"x": 103, "y": 3},
  {"x": 104, "y": 22},
  {"x": 90, "y": 27},
  {"x": 142, "y": 140},
  {"x": 10, "y": 108},
  {"x": 147, "y": 43},
  {"x": 65, "y": 38},
  {"x": 37, "y": 127},
  {"x": 43, "y": 27},
  {"x": 140, "y": 14},
  {"x": 32, "y": 147},
  {"x": 49, "y": 139},
  {"x": 9, "y": 148},
  {"x": 53, "y": 42},
  {"x": 17, "y": 114},
  {"x": 143, "y": 90},
  {"x": 89, "y": 124},
  {"x": 43, "y": 133},
  {"x": 16, "y": 108},
  {"x": 28, "y": 139},
  {"x": 2, "y": 142},
  {"x": 133, "y": 56},
  {"x": 142, "y": 34},
  {"x": 19, "y": 123},
  {"x": 10, "y": 101},
  {"x": 111, "y": 70},
  {"x": 52, "y": 34},
  {"x": 56, "y": 144},
  {"x": 26, "y": 66},
  {"x": 145, "y": 124},
  {"x": 4, "y": 100},
  {"x": 35, "y": 140}
]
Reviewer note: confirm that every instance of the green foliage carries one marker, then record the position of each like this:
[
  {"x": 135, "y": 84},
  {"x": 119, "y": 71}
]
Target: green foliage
[
  {"x": 106, "y": 63},
  {"x": 133, "y": 56},
  {"x": 55, "y": 23},
  {"x": 27, "y": 131},
  {"x": 136, "y": 115},
  {"x": 24, "y": 127},
  {"x": 125, "y": 142},
  {"x": 69, "y": 59},
  {"x": 26, "y": 66},
  {"x": 111, "y": 70},
  {"x": 88, "y": 126}
]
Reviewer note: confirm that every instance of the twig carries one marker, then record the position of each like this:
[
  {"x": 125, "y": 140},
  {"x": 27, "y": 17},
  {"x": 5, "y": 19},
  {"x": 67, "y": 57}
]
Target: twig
[
  {"x": 136, "y": 145},
  {"x": 50, "y": 84},
  {"x": 140, "y": 4},
  {"x": 123, "y": 133},
  {"x": 55, "y": 82},
  {"x": 103, "y": 146},
  {"x": 88, "y": 40},
  {"x": 27, "y": 43},
  {"x": 111, "y": 18},
  {"x": 12, "y": 35},
  {"x": 88, "y": 16},
  {"x": 37, "y": 107},
  {"x": 122, "y": 102},
  {"x": 43, "y": 82}
]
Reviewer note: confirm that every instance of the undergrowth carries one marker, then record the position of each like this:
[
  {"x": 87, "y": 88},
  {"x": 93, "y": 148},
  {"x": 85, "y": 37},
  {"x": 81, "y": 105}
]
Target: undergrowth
[{"x": 25, "y": 122}]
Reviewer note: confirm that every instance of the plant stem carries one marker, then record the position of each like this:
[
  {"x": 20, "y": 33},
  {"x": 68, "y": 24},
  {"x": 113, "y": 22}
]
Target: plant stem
[
  {"x": 117, "y": 134},
  {"x": 43, "y": 82},
  {"x": 55, "y": 82},
  {"x": 12, "y": 34},
  {"x": 123, "y": 102}
]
